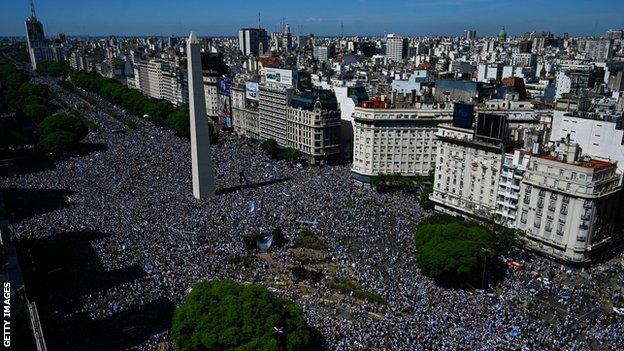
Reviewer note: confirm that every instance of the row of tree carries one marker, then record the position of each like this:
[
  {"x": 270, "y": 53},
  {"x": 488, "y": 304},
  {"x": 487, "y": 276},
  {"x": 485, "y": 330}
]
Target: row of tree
[{"x": 161, "y": 112}]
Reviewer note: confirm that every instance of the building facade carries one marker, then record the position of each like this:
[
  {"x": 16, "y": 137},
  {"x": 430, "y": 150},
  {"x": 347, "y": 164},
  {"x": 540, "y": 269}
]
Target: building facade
[
  {"x": 568, "y": 204},
  {"x": 395, "y": 141}
]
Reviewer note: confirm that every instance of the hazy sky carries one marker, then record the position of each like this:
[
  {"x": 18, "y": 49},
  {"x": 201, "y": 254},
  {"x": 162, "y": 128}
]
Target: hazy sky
[{"x": 321, "y": 17}]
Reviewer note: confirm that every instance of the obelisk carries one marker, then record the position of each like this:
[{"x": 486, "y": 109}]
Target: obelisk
[{"x": 203, "y": 177}]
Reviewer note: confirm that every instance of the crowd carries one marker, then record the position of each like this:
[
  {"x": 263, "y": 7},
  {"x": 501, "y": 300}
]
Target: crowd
[{"x": 138, "y": 190}]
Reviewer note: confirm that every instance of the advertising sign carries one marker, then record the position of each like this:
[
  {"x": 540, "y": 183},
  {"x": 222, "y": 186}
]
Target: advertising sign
[
  {"x": 252, "y": 91},
  {"x": 225, "y": 86},
  {"x": 280, "y": 76}
]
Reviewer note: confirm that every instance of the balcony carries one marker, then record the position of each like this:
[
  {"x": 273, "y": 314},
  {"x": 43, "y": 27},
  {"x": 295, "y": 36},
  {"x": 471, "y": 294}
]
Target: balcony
[
  {"x": 584, "y": 226},
  {"x": 586, "y": 216},
  {"x": 587, "y": 205}
]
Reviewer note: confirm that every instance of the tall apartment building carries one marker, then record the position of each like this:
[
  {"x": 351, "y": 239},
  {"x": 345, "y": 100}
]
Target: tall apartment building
[
  {"x": 38, "y": 49},
  {"x": 571, "y": 79},
  {"x": 396, "y": 47},
  {"x": 466, "y": 173},
  {"x": 245, "y": 113},
  {"x": 568, "y": 204},
  {"x": 391, "y": 141},
  {"x": 253, "y": 41},
  {"x": 599, "y": 50},
  {"x": 213, "y": 67},
  {"x": 524, "y": 59},
  {"x": 160, "y": 79},
  {"x": 276, "y": 91},
  {"x": 313, "y": 125},
  {"x": 323, "y": 52}
]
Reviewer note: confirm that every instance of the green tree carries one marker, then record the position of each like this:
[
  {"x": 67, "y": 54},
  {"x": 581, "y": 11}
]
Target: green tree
[
  {"x": 35, "y": 112},
  {"x": 290, "y": 154},
  {"x": 76, "y": 125},
  {"x": 179, "y": 121},
  {"x": 33, "y": 89},
  {"x": 225, "y": 315},
  {"x": 52, "y": 68},
  {"x": 271, "y": 147},
  {"x": 57, "y": 143},
  {"x": 454, "y": 248}
]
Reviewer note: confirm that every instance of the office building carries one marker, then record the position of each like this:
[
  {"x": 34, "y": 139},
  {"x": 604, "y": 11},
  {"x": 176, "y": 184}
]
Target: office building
[
  {"x": 38, "y": 49},
  {"x": 253, "y": 41},
  {"x": 396, "y": 47},
  {"x": 161, "y": 79},
  {"x": 324, "y": 52},
  {"x": 276, "y": 92}
]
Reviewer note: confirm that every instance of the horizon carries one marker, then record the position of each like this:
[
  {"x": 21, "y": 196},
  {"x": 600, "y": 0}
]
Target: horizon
[{"x": 373, "y": 18}]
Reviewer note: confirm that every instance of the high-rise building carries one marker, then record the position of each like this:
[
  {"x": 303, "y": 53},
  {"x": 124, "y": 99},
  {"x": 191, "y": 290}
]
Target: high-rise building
[
  {"x": 470, "y": 34},
  {"x": 37, "y": 47},
  {"x": 324, "y": 52},
  {"x": 275, "y": 94},
  {"x": 203, "y": 177},
  {"x": 396, "y": 47},
  {"x": 160, "y": 79},
  {"x": 253, "y": 41}
]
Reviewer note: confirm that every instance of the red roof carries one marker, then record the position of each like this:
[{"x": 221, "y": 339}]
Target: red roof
[{"x": 597, "y": 165}]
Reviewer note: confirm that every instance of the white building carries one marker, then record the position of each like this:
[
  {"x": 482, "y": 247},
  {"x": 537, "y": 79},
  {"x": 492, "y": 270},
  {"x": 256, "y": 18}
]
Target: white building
[
  {"x": 600, "y": 139},
  {"x": 395, "y": 141},
  {"x": 396, "y": 47},
  {"x": 467, "y": 174},
  {"x": 568, "y": 204}
]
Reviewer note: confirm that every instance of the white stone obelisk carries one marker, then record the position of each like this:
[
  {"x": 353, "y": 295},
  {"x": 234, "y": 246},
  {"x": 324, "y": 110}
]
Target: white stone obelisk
[{"x": 203, "y": 177}]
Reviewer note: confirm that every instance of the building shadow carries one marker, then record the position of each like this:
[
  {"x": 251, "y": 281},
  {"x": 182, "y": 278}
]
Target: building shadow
[
  {"x": 251, "y": 186},
  {"x": 23, "y": 161},
  {"x": 59, "y": 270},
  {"x": 22, "y": 203}
]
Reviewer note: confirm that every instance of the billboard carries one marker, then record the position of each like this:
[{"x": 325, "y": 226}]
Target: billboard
[
  {"x": 490, "y": 126},
  {"x": 252, "y": 91},
  {"x": 279, "y": 76},
  {"x": 225, "y": 85},
  {"x": 463, "y": 115}
]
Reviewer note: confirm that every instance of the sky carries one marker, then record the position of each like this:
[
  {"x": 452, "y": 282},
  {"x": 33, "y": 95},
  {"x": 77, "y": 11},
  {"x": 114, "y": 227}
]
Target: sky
[{"x": 321, "y": 17}]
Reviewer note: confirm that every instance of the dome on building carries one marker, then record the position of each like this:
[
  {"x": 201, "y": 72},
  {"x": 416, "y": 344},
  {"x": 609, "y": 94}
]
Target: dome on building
[{"x": 502, "y": 35}]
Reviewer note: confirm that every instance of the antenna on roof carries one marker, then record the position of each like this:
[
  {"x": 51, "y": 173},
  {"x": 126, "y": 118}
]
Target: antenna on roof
[
  {"x": 341, "y": 29},
  {"x": 32, "y": 9},
  {"x": 259, "y": 26}
]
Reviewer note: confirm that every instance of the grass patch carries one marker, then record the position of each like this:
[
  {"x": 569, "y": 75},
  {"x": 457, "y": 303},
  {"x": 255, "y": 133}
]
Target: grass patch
[
  {"x": 351, "y": 287},
  {"x": 308, "y": 240}
]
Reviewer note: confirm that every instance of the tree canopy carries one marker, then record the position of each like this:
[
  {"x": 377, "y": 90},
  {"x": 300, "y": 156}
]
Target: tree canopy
[
  {"x": 59, "y": 133},
  {"x": 449, "y": 247},
  {"x": 53, "y": 68},
  {"x": 225, "y": 315}
]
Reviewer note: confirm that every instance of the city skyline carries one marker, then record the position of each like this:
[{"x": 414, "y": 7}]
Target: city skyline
[{"x": 323, "y": 18}]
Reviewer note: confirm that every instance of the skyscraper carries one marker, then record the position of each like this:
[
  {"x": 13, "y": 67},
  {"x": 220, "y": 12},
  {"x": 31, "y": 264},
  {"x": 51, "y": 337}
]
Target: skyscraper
[
  {"x": 396, "y": 47},
  {"x": 203, "y": 177},
  {"x": 253, "y": 41},
  {"x": 37, "y": 46}
]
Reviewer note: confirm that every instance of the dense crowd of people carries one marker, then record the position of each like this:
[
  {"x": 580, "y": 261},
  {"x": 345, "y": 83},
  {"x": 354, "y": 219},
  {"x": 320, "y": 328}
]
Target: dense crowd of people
[{"x": 138, "y": 190}]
